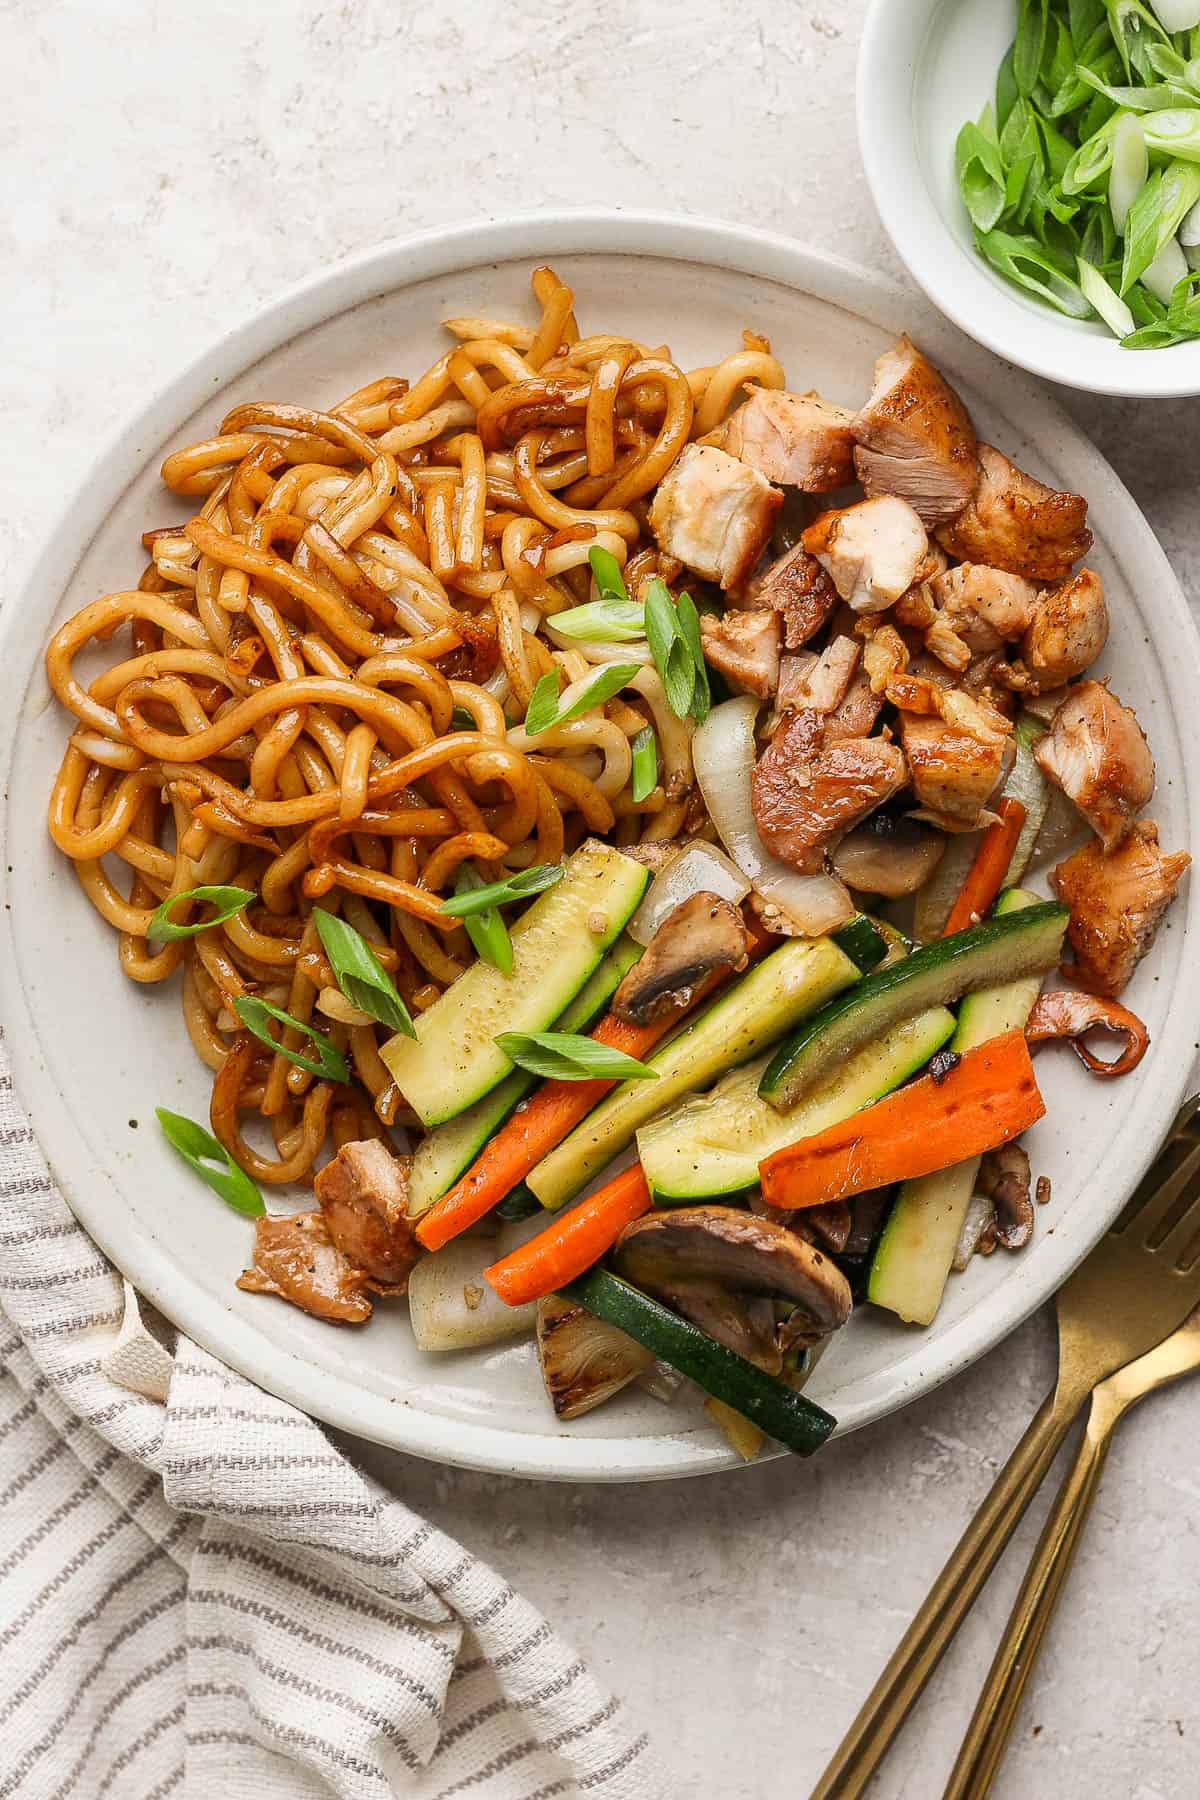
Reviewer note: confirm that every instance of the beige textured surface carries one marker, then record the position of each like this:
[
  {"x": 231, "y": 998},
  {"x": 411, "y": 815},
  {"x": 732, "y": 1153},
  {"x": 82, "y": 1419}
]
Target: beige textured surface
[{"x": 168, "y": 168}]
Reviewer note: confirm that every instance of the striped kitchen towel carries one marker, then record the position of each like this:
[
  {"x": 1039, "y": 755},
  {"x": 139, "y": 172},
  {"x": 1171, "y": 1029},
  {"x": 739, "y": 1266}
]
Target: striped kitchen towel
[{"x": 200, "y": 1595}]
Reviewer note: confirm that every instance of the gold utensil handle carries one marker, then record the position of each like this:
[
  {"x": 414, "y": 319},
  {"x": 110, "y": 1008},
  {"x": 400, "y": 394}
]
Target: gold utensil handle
[
  {"x": 999, "y": 1702},
  {"x": 953, "y": 1594}
]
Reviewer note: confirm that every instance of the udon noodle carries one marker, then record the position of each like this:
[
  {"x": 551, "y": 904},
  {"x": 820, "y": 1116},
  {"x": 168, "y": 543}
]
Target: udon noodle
[{"x": 321, "y": 677}]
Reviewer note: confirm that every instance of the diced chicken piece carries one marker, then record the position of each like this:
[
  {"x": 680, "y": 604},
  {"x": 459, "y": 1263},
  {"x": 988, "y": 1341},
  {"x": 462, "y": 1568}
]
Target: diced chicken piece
[
  {"x": 297, "y": 1259},
  {"x": 714, "y": 513},
  {"x": 885, "y": 655},
  {"x": 1116, "y": 902},
  {"x": 797, "y": 440},
  {"x": 1068, "y": 631},
  {"x": 807, "y": 792},
  {"x": 871, "y": 551},
  {"x": 954, "y": 773},
  {"x": 744, "y": 647},
  {"x": 798, "y": 589},
  {"x": 1015, "y": 522},
  {"x": 979, "y": 611},
  {"x": 364, "y": 1197},
  {"x": 856, "y": 715},
  {"x": 1097, "y": 753},
  {"x": 819, "y": 683},
  {"x": 916, "y": 438}
]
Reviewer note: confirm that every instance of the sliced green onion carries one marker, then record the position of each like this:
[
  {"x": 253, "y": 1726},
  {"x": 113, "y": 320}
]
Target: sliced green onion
[
  {"x": 212, "y": 1162},
  {"x": 360, "y": 974},
  {"x": 669, "y": 647},
  {"x": 606, "y": 572},
  {"x": 162, "y": 929},
  {"x": 484, "y": 925},
  {"x": 1007, "y": 94},
  {"x": 254, "y": 1013},
  {"x": 1029, "y": 44},
  {"x": 1175, "y": 133},
  {"x": 1163, "y": 275},
  {"x": 1023, "y": 260},
  {"x": 1189, "y": 231},
  {"x": 1184, "y": 311},
  {"x": 1111, "y": 308},
  {"x": 980, "y": 170},
  {"x": 564, "y": 1056},
  {"x": 592, "y": 691},
  {"x": 602, "y": 621},
  {"x": 477, "y": 897},
  {"x": 1177, "y": 15},
  {"x": 644, "y": 777},
  {"x": 463, "y": 720},
  {"x": 1130, "y": 169},
  {"x": 1083, "y": 16},
  {"x": 689, "y": 626},
  {"x": 1093, "y": 159},
  {"x": 1156, "y": 216},
  {"x": 1134, "y": 28},
  {"x": 542, "y": 710}
]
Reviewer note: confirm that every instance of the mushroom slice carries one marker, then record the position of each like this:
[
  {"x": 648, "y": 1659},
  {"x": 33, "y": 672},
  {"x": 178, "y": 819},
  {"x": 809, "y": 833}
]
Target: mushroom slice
[
  {"x": 296, "y": 1258},
  {"x": 584, "y": 1360},
  {"x": 703, "y": 933},
  {"x": 1065, "y": 1013},
  {"x": 724, "y": 1269},
  {"x": 1004, "y": 1178},
  {"x": 888, "y": 855}
]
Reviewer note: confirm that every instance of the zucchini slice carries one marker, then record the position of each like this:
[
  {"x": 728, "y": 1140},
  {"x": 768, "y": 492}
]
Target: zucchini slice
[
  {"x": 713, "y": 1143},
  {"x": 862, "y": 940},
  {"x": 778, "y": 1410},
  {"x": 745, "y": 1019},
  {"x": 448, "y": 1149},
  {"x": 454, "y": 1060},
  {"x": 913, "y": 1258},
  {"x": 1025, "y": 942}
]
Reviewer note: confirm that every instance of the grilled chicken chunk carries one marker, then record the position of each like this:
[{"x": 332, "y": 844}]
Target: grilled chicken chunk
[
  {"x": 1116, "y": 902},
  {"x": 364, "y": 1198},
  {"x": 1097, "y": 753},
  {"x": 808, "y": 791},
  {"x": 954, "y": 773},
  {"x": 979, "y": 611},
  {"x": 714, "y": 513},
  {"x": 1014, "y": 522},
  {"x": 915, "y": 437},
  {"x": 744, "y": 647},
  {"x": 818, "y": 683},
  {"x": 798, "y": 589},
  {"x": 797, "y": 440},
  {"x": 1067, "y": 632},
  {"x": 857, "y": 710},
  {"x": 297, "y": 1259},
  {"x": 871, "y": 551}
]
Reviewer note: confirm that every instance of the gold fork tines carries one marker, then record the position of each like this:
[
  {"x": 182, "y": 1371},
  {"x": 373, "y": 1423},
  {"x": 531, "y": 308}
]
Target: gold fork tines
[{"x": 1139, "y": 1282}]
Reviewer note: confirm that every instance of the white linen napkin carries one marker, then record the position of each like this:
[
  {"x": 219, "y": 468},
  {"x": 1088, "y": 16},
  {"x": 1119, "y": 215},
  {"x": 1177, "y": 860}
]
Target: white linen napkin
[{"x": 201, "y": 1595}]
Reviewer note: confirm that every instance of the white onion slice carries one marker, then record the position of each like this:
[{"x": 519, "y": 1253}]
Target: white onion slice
[
  {"x": 1130, "y": 168},
  {"x": 1168, "y": 267},
  {"x": 699, "y": 868},
  {"x": 723, "y": 756},
  {"x": 452, "y": 1307}
]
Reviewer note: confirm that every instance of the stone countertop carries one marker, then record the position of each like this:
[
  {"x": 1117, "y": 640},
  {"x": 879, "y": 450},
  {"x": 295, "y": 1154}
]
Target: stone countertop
[{"x": 168, "y": 168}]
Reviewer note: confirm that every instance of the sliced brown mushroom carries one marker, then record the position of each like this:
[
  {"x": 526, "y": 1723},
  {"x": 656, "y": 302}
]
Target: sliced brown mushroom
[
  {"x": 729, "y": 1272},
  {"x": 1066, "y": 1013},
  {"x": 584, "y": 1360},
  {"x": 703, "y": 933},
  {"x": 867, "y": 1213},
  {"x": 888, "y": 855},
  {"x": 1004, "y": 1178}
]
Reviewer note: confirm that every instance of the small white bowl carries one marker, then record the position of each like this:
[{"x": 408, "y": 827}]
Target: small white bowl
[{"x": 924, "y": 67}]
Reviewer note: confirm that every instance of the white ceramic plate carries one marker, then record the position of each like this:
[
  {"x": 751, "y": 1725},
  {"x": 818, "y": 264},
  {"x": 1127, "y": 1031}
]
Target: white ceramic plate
[
  {"x": 95, "y": 1054},
  {"x": 924, "y": 67}
]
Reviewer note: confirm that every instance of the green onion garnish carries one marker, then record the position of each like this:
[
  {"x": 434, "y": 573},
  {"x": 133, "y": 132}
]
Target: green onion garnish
[
  {"x": 670, "y": 649},
  {"x": 606, "y": 571},
  {"x": 475, "y": 897},
  {"x": 644, "y": 777},
  {"x": 227, "y": 900},
  {"x": 689, "y": 625},
  {"x": 484, "y": 925},
  {"x": 602, "y": 621},
  {"x": 211, "y": 1162},
  {"x": 544, "y": 706},
  {"x": 254, "y": 1013},
  {"x": 563, "y": 1056},
  {"x": 360, "y": 974}
]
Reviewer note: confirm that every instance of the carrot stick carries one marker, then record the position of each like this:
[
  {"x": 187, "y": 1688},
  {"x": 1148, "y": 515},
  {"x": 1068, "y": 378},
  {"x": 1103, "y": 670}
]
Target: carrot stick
[
  {"x": 988, "y": 1097},
  {"x": 544, "y": 1120},
  {"x": 987, "y": 872},
  {"x": 573, "y": 1242}
]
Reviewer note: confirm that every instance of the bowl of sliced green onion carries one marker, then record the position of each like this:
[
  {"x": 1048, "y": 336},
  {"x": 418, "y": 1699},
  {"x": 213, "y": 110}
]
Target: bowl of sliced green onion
[{"x": 1036, "y": 164}]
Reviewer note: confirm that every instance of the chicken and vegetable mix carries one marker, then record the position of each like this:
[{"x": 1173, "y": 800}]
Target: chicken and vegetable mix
[{"x": 741, "y": 716}]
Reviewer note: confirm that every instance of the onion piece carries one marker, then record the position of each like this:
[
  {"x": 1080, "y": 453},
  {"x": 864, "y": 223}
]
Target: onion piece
[
  {"x": 1130, "y": 169},
  {"x": 584, "y": 1360},
  {"x": 1168, "y": 267},
  {"x": 1176, "y": 15},
  {"x": 979, "y": 1215},
  {"x": 723, "y": 754},
  {"x": 1189, "y": 231},
  {"x": 699, "y": 868},
  {"x": 452, "y": 1307}
]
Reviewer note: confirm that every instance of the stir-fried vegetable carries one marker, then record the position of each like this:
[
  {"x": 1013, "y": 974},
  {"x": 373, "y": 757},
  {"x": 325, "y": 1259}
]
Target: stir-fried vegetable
[
  {"x": 986, "y": 875},
  {"x": 1079, "y": 175},
  {"x": 211, "y": 1162},
  {"x": 571, "y": 1243}
]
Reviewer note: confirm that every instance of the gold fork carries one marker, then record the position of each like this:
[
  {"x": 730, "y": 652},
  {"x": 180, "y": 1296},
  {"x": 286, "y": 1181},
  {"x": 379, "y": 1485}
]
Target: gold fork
[
  {"x": 999, "y": 1701},
  {"x": 1120, "y": 1302}
]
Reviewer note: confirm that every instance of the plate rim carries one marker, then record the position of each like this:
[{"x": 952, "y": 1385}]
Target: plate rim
[{"x": 336, "y": 288}]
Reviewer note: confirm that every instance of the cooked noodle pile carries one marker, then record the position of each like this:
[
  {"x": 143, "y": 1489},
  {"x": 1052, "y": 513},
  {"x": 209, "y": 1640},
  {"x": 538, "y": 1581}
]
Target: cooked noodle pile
[{"x": 310, "y": 701}]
